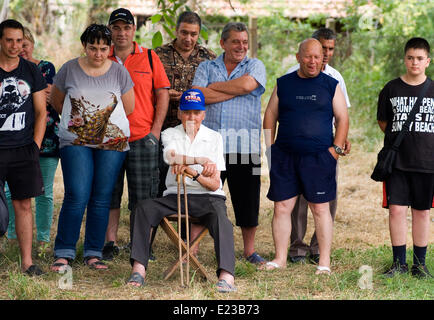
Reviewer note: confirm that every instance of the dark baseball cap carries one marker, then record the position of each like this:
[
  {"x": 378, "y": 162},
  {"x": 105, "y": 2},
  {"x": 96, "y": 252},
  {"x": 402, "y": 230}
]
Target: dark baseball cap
[{"x": 121, "y": 14}]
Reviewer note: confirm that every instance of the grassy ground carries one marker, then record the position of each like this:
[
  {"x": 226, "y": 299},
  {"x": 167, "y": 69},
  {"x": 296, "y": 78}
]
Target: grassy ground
[{"x": 361, "y": 238}]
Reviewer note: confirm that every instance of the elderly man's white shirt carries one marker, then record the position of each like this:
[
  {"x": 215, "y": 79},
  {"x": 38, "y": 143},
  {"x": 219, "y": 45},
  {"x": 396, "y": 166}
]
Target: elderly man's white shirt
[
  {"x": 332, "y": 72},
  {"x": 207, "y": 143}
]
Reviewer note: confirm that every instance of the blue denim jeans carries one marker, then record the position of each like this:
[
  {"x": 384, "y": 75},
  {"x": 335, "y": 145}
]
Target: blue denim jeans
[{"x": 89, "y": 176}]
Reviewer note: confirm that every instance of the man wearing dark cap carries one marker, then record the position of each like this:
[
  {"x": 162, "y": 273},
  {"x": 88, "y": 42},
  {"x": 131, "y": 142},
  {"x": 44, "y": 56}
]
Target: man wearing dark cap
[
  {"x": 151, "y": 101},
  {"x": 197, "y": 150}
]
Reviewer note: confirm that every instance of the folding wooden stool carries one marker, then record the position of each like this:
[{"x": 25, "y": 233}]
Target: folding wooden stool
[{"x": 185, "y": 248}]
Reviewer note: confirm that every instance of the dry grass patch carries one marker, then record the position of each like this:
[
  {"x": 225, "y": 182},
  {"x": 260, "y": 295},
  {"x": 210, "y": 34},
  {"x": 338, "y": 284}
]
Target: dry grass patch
[{"x": 361, "y": 237}]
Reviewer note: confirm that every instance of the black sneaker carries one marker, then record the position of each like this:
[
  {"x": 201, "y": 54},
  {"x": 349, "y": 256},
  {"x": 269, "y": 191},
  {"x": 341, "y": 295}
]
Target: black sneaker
[
  {"x": 420, "y": 271},
  {"x": 396, "y": 268},
  {"x": 151, "y": 256},
  {"x": 297, "y": 259},
  {"x": 109, "y": 251},
  {"x": 314, "y": 258}
]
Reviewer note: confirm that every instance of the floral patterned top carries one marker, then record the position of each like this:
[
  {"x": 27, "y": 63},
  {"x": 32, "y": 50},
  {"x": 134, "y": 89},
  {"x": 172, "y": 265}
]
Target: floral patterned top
[{"x": 50, "y": 143}]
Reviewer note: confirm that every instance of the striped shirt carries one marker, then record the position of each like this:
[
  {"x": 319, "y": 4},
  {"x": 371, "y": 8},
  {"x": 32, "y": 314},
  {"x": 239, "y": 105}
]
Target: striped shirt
[{"x": 239, "y": 119}]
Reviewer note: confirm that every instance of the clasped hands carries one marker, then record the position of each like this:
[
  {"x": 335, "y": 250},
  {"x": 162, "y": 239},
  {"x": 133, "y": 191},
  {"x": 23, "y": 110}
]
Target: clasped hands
[{"x": 181, "y": 163}]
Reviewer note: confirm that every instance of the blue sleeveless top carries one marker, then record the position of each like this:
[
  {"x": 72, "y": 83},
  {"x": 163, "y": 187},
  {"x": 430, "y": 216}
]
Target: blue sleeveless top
[{"x": 305, "y": 113}]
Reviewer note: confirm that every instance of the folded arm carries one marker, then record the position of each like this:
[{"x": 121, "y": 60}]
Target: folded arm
[{"x": 237, "y": 87}]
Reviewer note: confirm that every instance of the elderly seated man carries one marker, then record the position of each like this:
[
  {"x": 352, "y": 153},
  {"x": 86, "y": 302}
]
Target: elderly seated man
[{"x": 194, "y": 149}]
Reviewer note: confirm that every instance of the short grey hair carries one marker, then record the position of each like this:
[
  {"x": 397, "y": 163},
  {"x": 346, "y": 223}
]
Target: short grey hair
[{"x": 233, "y": 26}]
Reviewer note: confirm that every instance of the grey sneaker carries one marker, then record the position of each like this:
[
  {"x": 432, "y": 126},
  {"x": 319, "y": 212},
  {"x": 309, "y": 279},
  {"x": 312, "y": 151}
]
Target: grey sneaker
[{"x": 396, "y": 268}]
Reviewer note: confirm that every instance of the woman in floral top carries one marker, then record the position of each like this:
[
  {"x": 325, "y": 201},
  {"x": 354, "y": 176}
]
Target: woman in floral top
[{"x": 94, "y": 96}]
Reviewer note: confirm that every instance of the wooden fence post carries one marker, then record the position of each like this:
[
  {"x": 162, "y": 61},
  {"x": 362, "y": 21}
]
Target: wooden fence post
[{"x": 253, "y": 37}]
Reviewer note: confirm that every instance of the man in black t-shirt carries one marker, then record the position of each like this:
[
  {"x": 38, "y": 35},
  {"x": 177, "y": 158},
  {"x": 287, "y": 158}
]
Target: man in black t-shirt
[
  {"x": 22, "y": 127},
  {"x": 412, "y": 180}
]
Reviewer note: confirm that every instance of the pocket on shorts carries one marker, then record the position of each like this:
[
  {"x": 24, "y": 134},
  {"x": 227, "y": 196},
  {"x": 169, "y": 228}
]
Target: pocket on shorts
[
  {"x": 151, "y": 141},
  {"x": 34, "y": 151},
  {"x": 330, "y": 156}
]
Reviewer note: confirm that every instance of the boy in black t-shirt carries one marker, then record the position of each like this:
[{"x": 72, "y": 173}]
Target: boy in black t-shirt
[
  {"x": 412, "y": 180},
  {"x": 22, "y": 127}
]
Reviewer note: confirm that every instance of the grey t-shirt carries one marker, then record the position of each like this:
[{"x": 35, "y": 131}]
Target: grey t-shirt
[{"x": 93, "y": 114}]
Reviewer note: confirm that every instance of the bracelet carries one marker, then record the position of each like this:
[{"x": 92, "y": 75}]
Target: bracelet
[{"x": 196, "y": 176}]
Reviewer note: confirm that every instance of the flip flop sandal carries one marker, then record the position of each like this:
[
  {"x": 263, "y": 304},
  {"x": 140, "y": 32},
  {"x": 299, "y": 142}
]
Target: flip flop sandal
[
  {"x": 323, "y": 270},
  {"x": 269, "y": 266},
  {"x": 96, "y": 264},
  {"x": 136, "y": 277},
  {"x": 61, "y": 264},
  {"x": 224, "y": 287},
  {"x": 34, "y": 270}
]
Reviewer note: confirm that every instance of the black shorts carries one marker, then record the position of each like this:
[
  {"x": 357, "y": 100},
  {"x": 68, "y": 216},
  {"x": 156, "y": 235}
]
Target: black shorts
[
  {"x": 19, "y": 167},
  {"x": 414, "y": 189},
  {"x": 243, "y": 173},
  {"x": 313, "y": 175}
]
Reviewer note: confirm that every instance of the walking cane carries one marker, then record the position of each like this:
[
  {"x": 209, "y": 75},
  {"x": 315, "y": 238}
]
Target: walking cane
[
  {"x": 178, "y": 180},
  {"x": 187, "y": 226}
]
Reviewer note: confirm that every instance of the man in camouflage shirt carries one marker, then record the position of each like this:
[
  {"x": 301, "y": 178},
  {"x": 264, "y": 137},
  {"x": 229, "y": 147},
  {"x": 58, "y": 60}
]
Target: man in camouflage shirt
[{"x": 180, "y": 58}]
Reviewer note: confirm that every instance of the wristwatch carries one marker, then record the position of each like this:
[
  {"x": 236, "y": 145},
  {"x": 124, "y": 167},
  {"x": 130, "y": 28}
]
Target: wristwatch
[
  {"x": 338, "y": 150},
  {"x": 196, "y": 176}
]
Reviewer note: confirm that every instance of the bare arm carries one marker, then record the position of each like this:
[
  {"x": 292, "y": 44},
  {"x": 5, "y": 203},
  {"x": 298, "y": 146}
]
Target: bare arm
[
  {"x": 48, "y": 92},
  {"x": 209, "y": 167},
  {"x": 39, "y": 104},
  {"x": 340, "y": 112},
  {"x": 238, "y": 87},
  {"x": 270, "y": 118},
  {"x": 128, "y": 101},
  {"x": 213, "y": 96},
  {"x": 211, "y": 182},
  {"x": 382, "y": 125},
  {"x": 57, "y": 98},
  {"x": 162, "y": 96}
]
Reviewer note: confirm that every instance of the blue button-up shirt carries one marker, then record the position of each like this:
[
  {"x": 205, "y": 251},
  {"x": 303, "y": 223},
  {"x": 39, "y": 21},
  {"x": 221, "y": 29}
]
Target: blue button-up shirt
[{"x": 239, "y": 119}]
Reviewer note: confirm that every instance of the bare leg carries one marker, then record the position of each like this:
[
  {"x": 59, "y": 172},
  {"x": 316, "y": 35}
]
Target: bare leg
[
  {"x": 195, "y": 230},
  {"x": 324, "y": 231},
  {"x": 420, "y": 227},
  {"x": 248, "y": 234},
  {"x": 281, "y": 227},
  {"x": 398, "y": 224},
  {"x": 113, "y": 225},
  {"x": 24, "y": 230}
]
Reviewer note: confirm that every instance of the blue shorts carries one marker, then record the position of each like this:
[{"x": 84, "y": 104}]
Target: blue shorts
[{"x": 312, "y": 175}]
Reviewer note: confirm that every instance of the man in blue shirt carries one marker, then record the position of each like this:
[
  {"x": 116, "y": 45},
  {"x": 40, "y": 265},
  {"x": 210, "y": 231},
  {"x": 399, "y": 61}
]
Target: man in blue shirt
[
  {"x": 304, "y": 154},
  {"x": 233, "y": 85}
]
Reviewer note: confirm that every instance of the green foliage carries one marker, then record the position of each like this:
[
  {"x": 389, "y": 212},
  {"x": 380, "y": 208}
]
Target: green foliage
[
  {"x": 371, "y": 53},
  {"x": 99, "y": 10},
  {"x": 165, "y": 20},
  {"x": 278, "y": 39}
]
